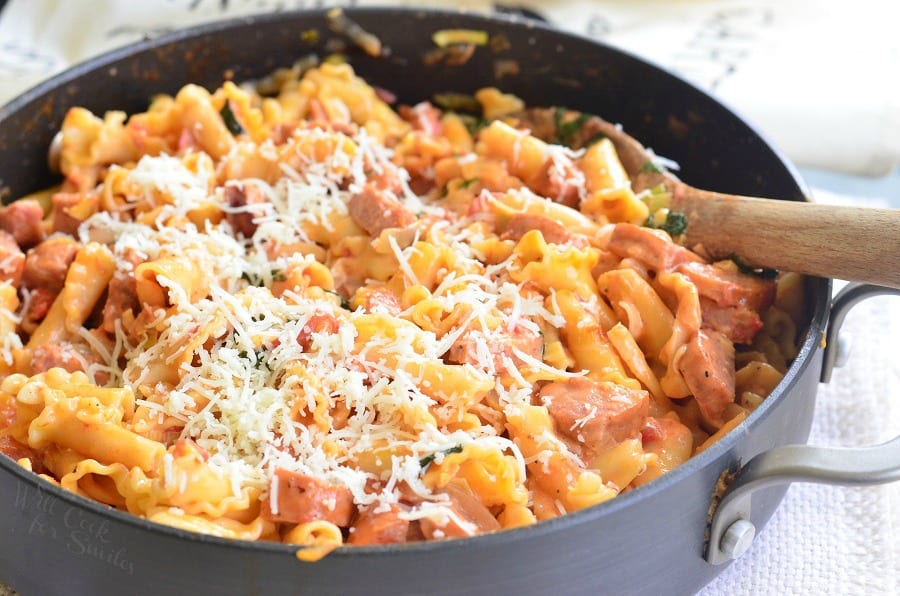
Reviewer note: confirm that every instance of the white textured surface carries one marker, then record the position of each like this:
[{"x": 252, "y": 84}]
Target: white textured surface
[
  {"x": 838, "y": 540},
  {"x": 822, "y": 540}
]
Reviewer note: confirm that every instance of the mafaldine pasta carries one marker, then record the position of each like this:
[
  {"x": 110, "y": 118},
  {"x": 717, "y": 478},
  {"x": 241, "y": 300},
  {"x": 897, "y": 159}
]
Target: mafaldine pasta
[{"x": 311, "y": 317}]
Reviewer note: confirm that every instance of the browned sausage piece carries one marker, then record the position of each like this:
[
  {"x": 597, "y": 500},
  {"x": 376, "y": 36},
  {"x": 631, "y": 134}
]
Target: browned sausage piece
[
  {"x": 317, "y": 323},
  {"x": 737, "y": 323},
  {"x": 121, "y": 298},
  {"x": 47, "y": 263},
  {"x": 300, "y": 498},
  {"x": 598, "y": 414},
  {"x": 23, "y": 219},
  {"x": 243, "y": 194},
  {"x": 381, "y": 527},
  {"x": 39, "y": 305},
  {"x": 375, "y": 210},
  {"x": 469, "y": 517},
  {"x": 708, "y": 369},
  {"x": 521, "y": 223},
  {"x": 557, "y": 181},
  {"x": 16, "y": 451},
  {"x": 71, "y": 356},
  {"x": 423, "y": 116},
  {"x": 70, "y": 209},
  {"x": 12, "y": 259},
  {"x": 727, "y": 287},
  {"x": 629, "y": 240},
  {"x": 377, "y": 299},
  {"x": 501, "y": 344}
]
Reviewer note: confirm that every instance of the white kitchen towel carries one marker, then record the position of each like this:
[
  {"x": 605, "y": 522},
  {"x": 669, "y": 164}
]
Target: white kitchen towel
[
  {"x": 822, "y": 87},
  {"x": 819, "y": 78}
]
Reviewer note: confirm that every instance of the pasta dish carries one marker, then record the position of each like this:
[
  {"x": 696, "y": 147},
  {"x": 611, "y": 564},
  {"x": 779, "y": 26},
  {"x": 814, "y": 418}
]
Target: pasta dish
[{"x": 296, "y": 312}]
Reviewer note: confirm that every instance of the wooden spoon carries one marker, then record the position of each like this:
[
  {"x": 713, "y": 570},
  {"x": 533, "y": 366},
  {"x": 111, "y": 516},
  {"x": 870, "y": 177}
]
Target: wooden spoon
[{"x": 850, "y": 243}]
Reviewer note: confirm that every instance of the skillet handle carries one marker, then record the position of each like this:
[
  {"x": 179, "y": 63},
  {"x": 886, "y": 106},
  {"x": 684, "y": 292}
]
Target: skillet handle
[{"x": 730, "y": 530}]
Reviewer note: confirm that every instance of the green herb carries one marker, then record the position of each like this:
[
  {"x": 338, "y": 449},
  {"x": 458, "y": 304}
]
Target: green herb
[
  {"x": 651, "y": 167},
  {"x": 231, "y": 123},
  {"x": 473, "y": 124},
  {"x": 345, "y": 304},
  {"x": 255, "y": 358},
  {"x": 676, "y": 223},
  {"x": 656, "y": 198},
  {"x": 566, "y": 131},
  {"x": 594, "y": 139},
  {"x": 258, "y": 281},
  {"x": 761, "y": 272},
  {"x": 457, "y": 102},
  {"x": 426, "y": 461},
  {"x": 468, "y": 183}
]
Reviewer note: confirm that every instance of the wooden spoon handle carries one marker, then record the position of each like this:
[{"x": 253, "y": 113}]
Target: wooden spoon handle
[{"x": 851, "y": 243}]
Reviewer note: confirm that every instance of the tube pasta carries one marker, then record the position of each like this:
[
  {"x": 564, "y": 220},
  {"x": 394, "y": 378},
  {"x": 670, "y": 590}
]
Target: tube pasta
[{"x": 309, "y": 316}]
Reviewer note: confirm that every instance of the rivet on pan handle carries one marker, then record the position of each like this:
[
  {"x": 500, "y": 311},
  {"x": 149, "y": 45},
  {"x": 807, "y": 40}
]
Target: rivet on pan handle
[{"x": 731, "y": 530}]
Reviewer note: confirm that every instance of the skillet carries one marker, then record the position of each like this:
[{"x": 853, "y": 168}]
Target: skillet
[{"x": 655, "y": 539}]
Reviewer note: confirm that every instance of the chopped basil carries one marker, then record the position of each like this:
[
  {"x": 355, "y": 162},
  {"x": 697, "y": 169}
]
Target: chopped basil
[
  {"x": 473, "y": 123},
  {"x": 426, "y": 461},
  {"x": 457, "y": 102},
  {"x": 345, "y": 304},
  {"x": 761, "y": 272},
  {"x": 651, "y": 167},
  {"x": 676, "y": 223},
  {"x": 566, "y": 131},
  {"x": 259, "y": 281},
  {"x": 231, "y": 123}
]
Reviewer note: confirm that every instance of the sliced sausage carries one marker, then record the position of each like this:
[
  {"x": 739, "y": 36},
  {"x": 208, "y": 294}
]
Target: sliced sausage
[
  {"x": 39, "y": 305},
  {"x": 559, "y": 181},
  {"x": 597, "y": 414},
  {"x": 317, "y": 323},
  {"x": 378, "y": 299},
  {"x": 521, "y": 223},
  {"x": 737, "y": 323},
  {"x": 70, "y": 209},
  {"x": 241, "y": 195},
  {"x": 375, "y": 210},
  {"x": 468, "y": 517},
  {"x": 121, "y": 298},
  {"x": 423, "y": 116},
  {"x": 299, "y": 498},
  {"x": 501, "y": 345},
  {"x": 12, "y": 259},
  {"x": 727, "y": 287},
  {"x": 648, "y": 247},
  {"x": 47, "y": 263},
  {"x": 708, "y": 369},
  {"x": 71, "y": 356},
  {"x": 15, "y": 450},
  {"x": 379, "y": 527},
  {"x": 23, "y": 219}
]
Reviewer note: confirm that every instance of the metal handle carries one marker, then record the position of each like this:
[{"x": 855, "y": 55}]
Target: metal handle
[{"x": 731, "y": 532}]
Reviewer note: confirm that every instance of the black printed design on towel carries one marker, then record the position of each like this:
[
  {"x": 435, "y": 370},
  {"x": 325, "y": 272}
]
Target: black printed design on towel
[
  {"x": 17, "y": 59},
  {"x": 722, "y": 43},
  {"x": 521, "y": 11}
]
